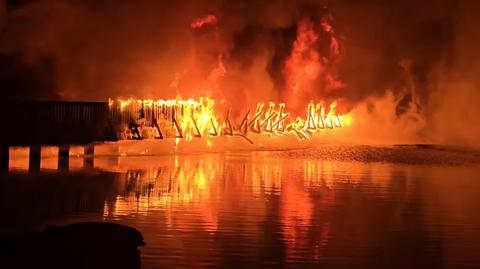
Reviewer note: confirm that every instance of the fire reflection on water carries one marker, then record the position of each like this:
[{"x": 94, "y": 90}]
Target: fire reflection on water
[
  {"x": 171, "y": 185},
  {"x": 217, "y": 184},
  {"x": 274, "y": 207}
]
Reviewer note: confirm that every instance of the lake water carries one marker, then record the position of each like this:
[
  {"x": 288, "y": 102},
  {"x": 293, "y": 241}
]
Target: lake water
[{"x": 331, "y": 206}]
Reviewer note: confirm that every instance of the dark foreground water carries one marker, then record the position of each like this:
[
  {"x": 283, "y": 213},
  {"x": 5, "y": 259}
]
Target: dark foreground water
[{"x": 334, "y": 206}]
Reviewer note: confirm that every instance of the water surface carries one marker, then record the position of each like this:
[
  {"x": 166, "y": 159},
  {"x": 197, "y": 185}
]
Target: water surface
[{"x": 334, "y": 206}]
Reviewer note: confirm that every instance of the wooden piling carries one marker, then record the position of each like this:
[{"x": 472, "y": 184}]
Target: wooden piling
[
  {"x": 63, "y": 157},
  {"x": 4, "y": 158},
  {"x": 88, "y": 152},
  {"x": 35, "y": 156}
]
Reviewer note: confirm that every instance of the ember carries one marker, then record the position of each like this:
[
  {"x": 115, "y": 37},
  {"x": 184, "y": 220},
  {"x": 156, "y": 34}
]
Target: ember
[{"x": 207, "y": 20}]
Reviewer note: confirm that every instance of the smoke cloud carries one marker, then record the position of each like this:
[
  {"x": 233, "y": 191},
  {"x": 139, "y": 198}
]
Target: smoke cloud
[{"x": 420, "y": 56}]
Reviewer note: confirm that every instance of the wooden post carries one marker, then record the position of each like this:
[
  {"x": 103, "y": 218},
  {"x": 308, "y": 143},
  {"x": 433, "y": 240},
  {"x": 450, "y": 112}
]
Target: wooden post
[
  {"x": 63, "y": 157},
  {"x": 35, "y": 156},
  {"x": 88, "y": 152},
  {"x": 4, "y": 158}
]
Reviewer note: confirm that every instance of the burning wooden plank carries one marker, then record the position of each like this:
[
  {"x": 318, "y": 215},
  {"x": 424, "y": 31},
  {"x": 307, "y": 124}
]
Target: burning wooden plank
[{"x": 185, "y": 119}]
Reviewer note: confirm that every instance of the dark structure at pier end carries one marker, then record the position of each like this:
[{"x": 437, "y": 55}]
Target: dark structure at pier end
[{"x": 57, "y": 123}]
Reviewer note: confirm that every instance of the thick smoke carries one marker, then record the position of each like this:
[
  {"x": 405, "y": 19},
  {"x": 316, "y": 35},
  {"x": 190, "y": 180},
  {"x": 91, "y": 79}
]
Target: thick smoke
[
  {"x": 92, "y": 50},
  {"x": 454, "y": 96},
  {"x": 417, "y": 55}
]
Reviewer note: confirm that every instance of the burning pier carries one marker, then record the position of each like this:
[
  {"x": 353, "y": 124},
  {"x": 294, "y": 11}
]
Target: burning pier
[
  {"x": 62, "y": 124},
  {"x": 186, "y": 119}
]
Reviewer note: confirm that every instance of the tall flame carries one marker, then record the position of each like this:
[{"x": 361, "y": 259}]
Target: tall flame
[
  {"x": 306, "y": 69},
  {"x": 308, "y": 74},
  {"x": 303, "y": 65}
]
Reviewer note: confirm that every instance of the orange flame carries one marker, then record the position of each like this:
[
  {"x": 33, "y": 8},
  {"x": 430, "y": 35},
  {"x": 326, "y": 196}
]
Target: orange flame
[
  {"x": 306, "y": 65},
  {"x": 198, "y": 118},
  {"x": 207, "y": 20},
  {"x": 303, "y": 66}
]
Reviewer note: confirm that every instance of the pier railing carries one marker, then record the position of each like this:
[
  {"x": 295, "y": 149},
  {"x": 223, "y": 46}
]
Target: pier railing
[
  {"x": 37, "y": 123},
  {"x": 55, "y": 123}
]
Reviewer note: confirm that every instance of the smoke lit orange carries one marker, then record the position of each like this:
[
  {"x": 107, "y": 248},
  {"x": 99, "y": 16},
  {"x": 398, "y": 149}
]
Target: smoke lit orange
[{"x": 207, "y": 20}]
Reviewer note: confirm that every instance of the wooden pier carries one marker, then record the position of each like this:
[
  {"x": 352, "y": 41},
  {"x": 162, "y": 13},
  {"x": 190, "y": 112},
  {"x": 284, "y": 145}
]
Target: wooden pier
[{"x": 35, "y": 124}]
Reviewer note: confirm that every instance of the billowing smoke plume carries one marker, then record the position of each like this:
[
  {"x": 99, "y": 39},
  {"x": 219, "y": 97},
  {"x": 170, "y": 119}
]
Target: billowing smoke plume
[
  {"x": 415, "y": 59},
  {"x": 454, "y": 93}
]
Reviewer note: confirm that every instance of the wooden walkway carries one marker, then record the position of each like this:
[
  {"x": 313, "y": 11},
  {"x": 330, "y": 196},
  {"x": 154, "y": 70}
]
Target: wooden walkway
[{"x": 37, "y": 123}]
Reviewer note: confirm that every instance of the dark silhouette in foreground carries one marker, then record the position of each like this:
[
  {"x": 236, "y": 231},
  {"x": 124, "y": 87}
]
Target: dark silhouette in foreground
[{"x": 80, "y": 245}]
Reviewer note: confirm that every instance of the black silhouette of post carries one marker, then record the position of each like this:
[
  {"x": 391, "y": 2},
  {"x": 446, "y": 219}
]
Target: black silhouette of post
[
  {"x": 4, "y": 158},
  {"x": 35, "y": 156},
  {"x": 63, "y": 157},
  {"x": 88, "y": 152}
]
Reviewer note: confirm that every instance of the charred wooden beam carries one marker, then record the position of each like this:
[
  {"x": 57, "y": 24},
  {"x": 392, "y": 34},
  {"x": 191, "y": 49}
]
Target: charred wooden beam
[
  {"x": 214, "y": 130},
  {"x": 197, "y": 130},
  {"x": 227, "y": 130},
  {"x": 244, "y": 125},
  {"x": 155, "y": 124},
  {"x": 177, "y": 126}
]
